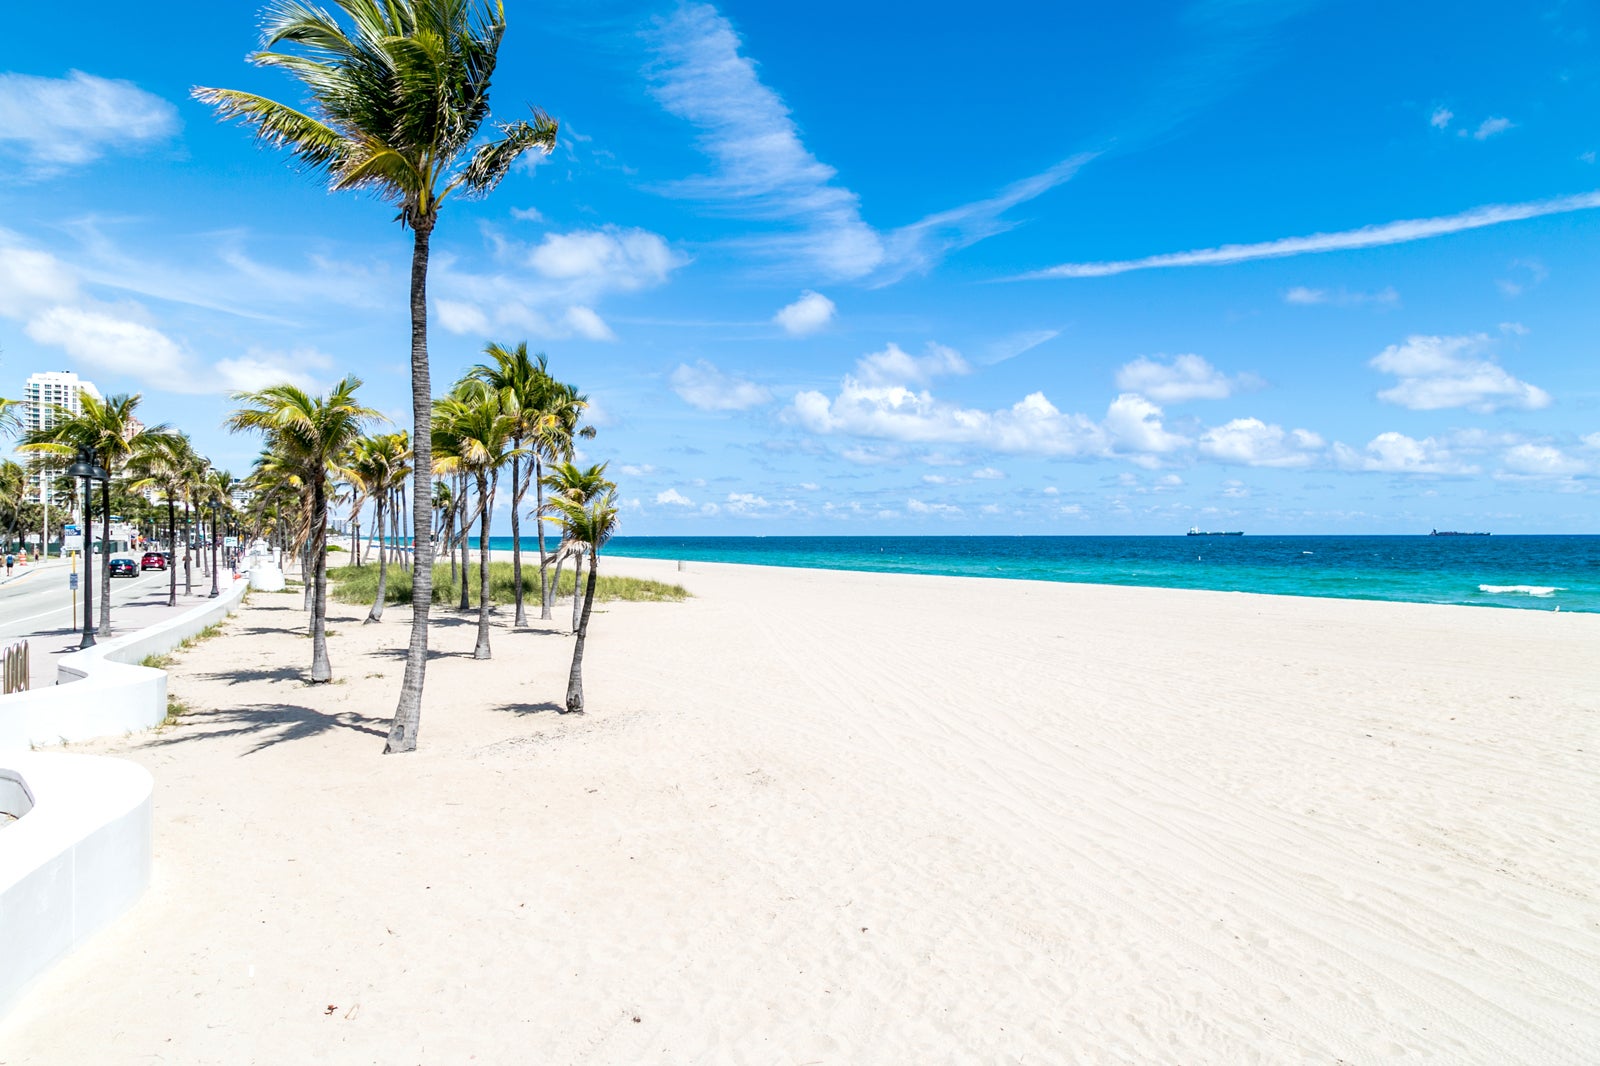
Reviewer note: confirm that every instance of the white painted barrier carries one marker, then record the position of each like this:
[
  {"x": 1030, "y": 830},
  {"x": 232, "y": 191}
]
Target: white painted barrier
[
  {"x": 76, "y": 859},
  {"x": 102, "y": 691}
]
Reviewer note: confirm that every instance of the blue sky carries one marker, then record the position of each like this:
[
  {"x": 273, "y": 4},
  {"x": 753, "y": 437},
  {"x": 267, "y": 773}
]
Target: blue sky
[{"x": 855, "y": 269}]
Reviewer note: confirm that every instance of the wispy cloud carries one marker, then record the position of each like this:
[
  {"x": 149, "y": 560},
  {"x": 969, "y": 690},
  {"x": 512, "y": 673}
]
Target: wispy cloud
[
  {"x": 55, "y": 123},
  {"x": 763, "y": 170},
  {"x": 1301, "y": 295},
  {"x": 1441, "y": 117},
  {"x": 1366, "y": 237},
  {"x": 1489, "y": 127},
  {"x": 709, "y": 389},
  {"x": 1186, "y": 377}
]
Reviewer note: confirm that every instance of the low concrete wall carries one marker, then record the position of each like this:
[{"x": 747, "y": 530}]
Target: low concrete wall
[
  {"x": 75, "y": 860},
  {"x": 102, "y": 691}
]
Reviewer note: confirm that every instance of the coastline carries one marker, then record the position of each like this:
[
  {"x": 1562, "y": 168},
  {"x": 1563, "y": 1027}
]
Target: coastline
[{"x": 841, "y": 816}]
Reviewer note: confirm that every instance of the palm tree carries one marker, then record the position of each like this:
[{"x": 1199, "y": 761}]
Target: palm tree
[
  {"x": 475, "y": 440},
  {"x": 591, "y": 525},
  {"x": 378, "y": 465},
  {"x": 396, "y": 104},
  {"x": 525, "y": 389},
  {"x": 163, "y": 463},
  {"x": 109, "y": 431},
  {"x": 311, "y": 434},
  {"x": 568, "y": 482},
  {"x": 554, "y": 444}
]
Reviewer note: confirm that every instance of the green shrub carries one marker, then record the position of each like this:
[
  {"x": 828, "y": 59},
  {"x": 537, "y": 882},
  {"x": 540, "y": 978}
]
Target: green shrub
[{"x": 359, "y": 584}]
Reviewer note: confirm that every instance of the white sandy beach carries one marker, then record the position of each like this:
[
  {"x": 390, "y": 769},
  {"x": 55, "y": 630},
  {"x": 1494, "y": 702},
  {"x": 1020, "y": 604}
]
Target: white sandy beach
[{"x": 819, "y": 817}]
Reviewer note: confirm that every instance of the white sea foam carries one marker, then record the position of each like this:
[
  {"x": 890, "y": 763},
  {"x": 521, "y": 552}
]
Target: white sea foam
[{"x": 1542, "y": 591}]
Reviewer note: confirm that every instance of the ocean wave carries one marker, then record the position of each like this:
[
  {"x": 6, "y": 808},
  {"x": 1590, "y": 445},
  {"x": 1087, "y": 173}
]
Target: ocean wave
[{"x": 1542, "y": 591}]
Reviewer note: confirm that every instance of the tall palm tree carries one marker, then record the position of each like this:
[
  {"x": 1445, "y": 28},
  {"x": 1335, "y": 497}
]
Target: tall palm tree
[
  {"x": 525, "y": 390},
  {"x": 555, "y": 442},
  {"x": 568, "y": 482},
  {"x": 378, "y": 464},
  {"x": 311, "y": 434},
  {"x": 476, "y": 441},
  {"x": 396, "y": 105},
  {"x": 590, "y": 524},
  {"x": 163, "y": 463},
  {"x": 109, "y": 431}
]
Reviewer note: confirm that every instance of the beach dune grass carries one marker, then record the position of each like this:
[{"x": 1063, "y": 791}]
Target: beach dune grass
[{"x": 359, "y": 584}]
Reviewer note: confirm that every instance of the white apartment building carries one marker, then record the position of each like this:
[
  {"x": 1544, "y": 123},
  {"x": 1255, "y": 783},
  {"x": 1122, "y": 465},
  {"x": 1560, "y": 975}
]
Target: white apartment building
[{"x": 45, "y": 392}]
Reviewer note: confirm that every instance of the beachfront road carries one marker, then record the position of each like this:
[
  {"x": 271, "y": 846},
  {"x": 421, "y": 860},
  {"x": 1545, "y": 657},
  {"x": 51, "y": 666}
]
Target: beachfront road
[{"x": 39, "y": 608}]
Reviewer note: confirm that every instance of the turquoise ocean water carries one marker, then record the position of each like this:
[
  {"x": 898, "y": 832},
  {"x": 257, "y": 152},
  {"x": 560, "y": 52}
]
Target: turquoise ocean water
[{"x": 1530, "y": 572}]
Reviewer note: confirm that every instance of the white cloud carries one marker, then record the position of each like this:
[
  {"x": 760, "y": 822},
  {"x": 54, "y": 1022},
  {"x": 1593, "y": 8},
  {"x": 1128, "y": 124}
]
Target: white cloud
[
  {"x": 915, "y": 506},
  {"x": 1440, "y": 118},
  {"x": 709, "y": 389},
  {"x": 528, "y": 214},
  {"x": 110, "y": 342},
  {"x": 763, "y": 171},
  {"x": 744, "y": 503},
  {"x": 54, "y": 123},
  {"x": 940, "y": 479},
  {"x": 1366, "y": 237},
  {"x": 893, "y": 412},
  {"x": 1396, "y": 453},
  {"x": 1050, "y": 490},
  {"x": 892, "y": 366},
  {"x": 674, "y": 498},
  {"x": 585, "y": 323},
  {"x": 1442, "y": 372},
  {"x": 1252, "y": 442},
  {"x": 1134, "y": 424},
  {"x": 461, "y": 318},
  {"x": 31, "y": 280},
  {"x": 1187, "y": 377},
  {"x": 1303, "y": 296},
  {"x": 1529, "y": 273},
  {"x": 1016, "y": 344},
  {"x": 806, "y": 315},
  {"x": 1591, "y": 440},
  {"x": 638, "y": 470},
  {"x": 1541, "y": 460},
  {"x": 1489, "y": 127},
  {"x": 609, "y": 258},
  {"x": 988, "y": 473}
]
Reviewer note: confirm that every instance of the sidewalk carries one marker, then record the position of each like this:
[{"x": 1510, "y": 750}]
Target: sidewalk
[{"x": 19, "y": 571}]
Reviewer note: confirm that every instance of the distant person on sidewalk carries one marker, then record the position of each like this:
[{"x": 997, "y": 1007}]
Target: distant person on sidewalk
[{"x": 11, "y": 560}]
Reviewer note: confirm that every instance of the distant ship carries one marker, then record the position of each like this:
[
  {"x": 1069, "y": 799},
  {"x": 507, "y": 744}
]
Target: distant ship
[
  {"x": 1196, "y": 531},
  {"x": 1454, "y": 533}
]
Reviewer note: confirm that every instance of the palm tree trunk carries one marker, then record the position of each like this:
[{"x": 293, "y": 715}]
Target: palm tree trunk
[
  {"x": 305, "y": 581},
  {"x": 408, "y": 712},
  {"x": 466, "y": 529},
  {"x": 484, "y": 498},
  {"x": 577, "y": 600},
  {"x": 521, "y": 618},
  {"x": 546, "y": 589},
  {"x": 316, "y": 580},
  {"x": 575, "y": 677},
  {"x": 555, "y": 579},
  {"x": 172, "y": 563},
  {"x": 376, "y": 614},
  {"x": 105, "y": 558}
]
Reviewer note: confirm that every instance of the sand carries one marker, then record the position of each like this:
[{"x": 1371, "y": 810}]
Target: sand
[{"x": 822, "y": 817}]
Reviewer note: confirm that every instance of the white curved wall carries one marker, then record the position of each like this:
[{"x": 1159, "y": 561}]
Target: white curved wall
[
  {"x": 102, "y": 691},
  {"x": 78, "y": 858}
]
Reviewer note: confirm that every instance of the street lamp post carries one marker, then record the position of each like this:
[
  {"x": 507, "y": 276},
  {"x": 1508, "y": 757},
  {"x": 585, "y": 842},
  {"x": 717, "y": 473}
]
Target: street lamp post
[
  {"x": 86, "y": 468},
  {"x": 214, "y": 513}
]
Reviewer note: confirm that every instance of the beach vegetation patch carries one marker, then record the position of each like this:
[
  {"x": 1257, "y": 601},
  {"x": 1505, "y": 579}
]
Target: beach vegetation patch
[{"x": 358, "y": 584}]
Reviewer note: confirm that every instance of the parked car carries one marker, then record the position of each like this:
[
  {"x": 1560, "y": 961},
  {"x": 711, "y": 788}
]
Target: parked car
[
  {"x": 122, "y": 566},
  {"x": 153, "y": 561}
]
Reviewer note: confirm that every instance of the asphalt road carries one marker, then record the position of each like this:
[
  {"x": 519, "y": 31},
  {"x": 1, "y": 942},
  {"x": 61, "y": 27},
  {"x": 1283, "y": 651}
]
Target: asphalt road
[{"x": 39, "y": 608}]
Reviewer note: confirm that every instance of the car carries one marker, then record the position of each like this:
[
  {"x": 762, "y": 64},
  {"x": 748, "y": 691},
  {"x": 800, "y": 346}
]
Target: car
[
  {"x": 122, "y": 566},
  {"x": 153, "y": 561}
]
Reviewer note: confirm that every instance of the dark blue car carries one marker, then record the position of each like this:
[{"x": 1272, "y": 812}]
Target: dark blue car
[{"x": 123, "y": 567}]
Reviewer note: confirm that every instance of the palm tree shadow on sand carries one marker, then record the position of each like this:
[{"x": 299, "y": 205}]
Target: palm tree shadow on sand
[
  {"x": 272, "y": 723},
  {"x": 521, "y": 709}
]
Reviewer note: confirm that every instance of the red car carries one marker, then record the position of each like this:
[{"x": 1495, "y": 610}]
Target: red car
[{"x": 153, "y": 561}]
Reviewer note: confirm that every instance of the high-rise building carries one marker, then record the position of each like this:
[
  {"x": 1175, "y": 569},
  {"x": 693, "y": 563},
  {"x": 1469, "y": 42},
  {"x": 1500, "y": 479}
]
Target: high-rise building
[{"x": 43, "y": 395}]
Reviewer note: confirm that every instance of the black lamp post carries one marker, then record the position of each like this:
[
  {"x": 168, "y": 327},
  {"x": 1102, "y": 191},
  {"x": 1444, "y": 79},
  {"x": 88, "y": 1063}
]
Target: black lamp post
[
  {"x": 214, "y": 511},
  {"x": 86, "y": 468}
]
